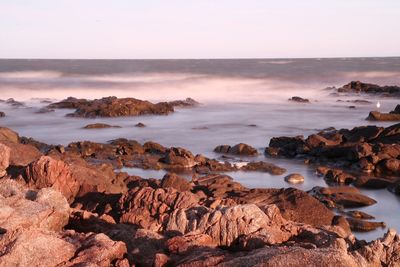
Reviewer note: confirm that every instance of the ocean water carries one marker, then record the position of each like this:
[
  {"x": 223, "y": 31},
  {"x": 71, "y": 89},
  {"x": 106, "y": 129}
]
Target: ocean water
[{"x": 243, "y": 100}]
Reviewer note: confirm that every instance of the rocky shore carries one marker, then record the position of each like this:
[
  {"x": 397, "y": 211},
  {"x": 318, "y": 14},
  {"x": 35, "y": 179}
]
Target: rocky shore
[{"x": 75, "y": 202}]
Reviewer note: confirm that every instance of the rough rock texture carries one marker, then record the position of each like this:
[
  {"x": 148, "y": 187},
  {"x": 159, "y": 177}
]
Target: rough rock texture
[
  {"x": 370, "y": 154},
  {"x": 4, "y": 159},
  {"x": 175, "y": 181}
]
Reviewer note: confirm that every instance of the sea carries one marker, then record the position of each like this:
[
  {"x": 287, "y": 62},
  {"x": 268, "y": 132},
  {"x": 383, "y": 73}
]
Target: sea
[{"x": 241, "y": 101}]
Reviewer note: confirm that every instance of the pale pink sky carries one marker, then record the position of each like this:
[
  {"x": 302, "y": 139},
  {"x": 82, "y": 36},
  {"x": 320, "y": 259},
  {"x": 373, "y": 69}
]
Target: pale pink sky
[{"x": 198, "y": 28}]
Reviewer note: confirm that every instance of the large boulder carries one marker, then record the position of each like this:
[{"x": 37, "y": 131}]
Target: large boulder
[
  {"x": 225, "y": 224},
  {"x": 24, "y": 209},
  {"x": 113, "y": 107},
  {"x": 21, "y": 154}
]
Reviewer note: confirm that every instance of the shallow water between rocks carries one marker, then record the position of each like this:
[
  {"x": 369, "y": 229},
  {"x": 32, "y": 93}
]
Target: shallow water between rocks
[
  {"x": 242, "y": 100},
  {"x": 202, "y": 128}
]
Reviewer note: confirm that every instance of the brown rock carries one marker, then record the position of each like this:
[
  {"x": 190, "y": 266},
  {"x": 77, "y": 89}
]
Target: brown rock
[
  {"x": 8, "y": 135},
  {"x": 175, "y": 181},
  {"x": 4, "y": 159},
  {"x": 20, "y": 154},
  {"x": 113, "y": 107},
  {"x": 48, "y": 172},
  {"x": 264, "y": 167},
  {"x": 239, "y": 149},
  {"x": 100, "y": 126}
]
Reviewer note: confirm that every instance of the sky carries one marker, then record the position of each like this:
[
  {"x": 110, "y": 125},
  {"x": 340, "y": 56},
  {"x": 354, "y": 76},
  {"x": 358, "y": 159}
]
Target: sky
[{"x": 130, "y": 29}]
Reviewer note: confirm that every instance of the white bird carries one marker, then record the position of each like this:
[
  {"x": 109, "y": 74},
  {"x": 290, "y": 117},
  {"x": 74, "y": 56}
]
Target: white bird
[{"x": 378, "y": 105}]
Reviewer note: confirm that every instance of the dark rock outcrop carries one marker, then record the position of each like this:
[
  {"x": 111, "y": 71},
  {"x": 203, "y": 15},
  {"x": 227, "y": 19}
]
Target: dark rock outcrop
[{"x": 360, "y": 87}]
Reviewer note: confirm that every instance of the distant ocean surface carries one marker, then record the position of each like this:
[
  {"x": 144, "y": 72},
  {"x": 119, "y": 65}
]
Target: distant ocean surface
[
  {"x": 245, "y": 80},
  {"x": 243, "y": 100}
]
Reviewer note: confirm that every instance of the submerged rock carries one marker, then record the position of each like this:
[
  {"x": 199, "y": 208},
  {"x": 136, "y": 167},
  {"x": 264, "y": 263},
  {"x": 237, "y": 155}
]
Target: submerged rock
[
  {"x": 100, "y": 126},
  {"x": 238, "y": 149},
  {"x": 299, "y": 99}
]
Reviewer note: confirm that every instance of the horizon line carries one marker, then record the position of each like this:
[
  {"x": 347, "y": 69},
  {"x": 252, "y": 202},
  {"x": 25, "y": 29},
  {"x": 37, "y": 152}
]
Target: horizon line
[{"x": 216, "y": 58}]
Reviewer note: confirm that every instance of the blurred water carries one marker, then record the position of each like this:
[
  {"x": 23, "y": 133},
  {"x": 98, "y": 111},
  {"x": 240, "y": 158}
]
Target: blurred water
[{"x": 242, "y": 101}]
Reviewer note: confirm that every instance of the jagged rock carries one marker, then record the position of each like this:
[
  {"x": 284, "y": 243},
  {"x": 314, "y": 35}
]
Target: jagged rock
[
  {"x": 48, "y": 172},
  {"x": 4, "y": 159},
  {"x": 149, "y": 208},
  {"x": 226, "y": 224},
  {"x": 178, "y": 157},
  {"x": 175, "y": 181},
  {"x": 24, "y": 209}
]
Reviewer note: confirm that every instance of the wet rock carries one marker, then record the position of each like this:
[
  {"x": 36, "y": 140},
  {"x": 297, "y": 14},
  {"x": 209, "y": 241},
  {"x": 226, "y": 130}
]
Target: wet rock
[
  {"x": 299, "y": 99},
  {"x": 364, "y": 226},
  {"x": 377, "y": 116},
  {"x": 360, "y": 87},
  {"x": 359, "y": 215},
  {"x": 239, "y": 149},
  {"x": 140, "y": 125},
  {"x": 372, "y": 182},
  {"x": 100, "y": 126},
  {"x": 113, "y": 107},
  {"x": 2, "y": 114},
  {"x": 175, "y": 181},
  {"x": 263, "y": 167},
  {"x": 285, "y": 146},
  {"x": 337, "y": 176},
  {"x": 294, "y": 178},
  {"x": 177, "y": 157},
  {"x": 347, "y": 197}
]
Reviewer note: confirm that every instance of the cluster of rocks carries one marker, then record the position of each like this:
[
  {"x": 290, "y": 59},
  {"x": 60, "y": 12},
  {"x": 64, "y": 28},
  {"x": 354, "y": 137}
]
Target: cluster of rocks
[
  {"x": 115, "y": 107},
  {"x": 367, "y": 156},
  {"x": 86, "y": 214},
  {"x": 368, "y": 88},
  {"x": 238, "y": 149},
  {"x": 391, "y": 116}
]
